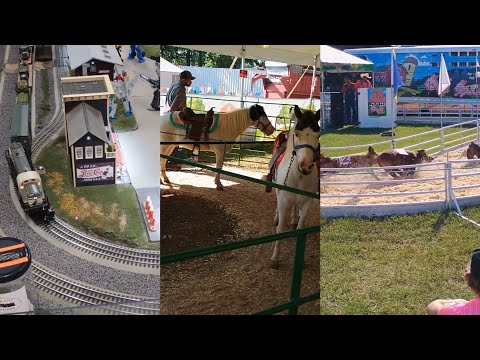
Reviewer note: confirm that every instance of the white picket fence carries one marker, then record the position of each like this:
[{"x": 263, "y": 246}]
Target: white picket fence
[
  {"x": 469, "y": 131},
  {"x": 373, "y": 192}
]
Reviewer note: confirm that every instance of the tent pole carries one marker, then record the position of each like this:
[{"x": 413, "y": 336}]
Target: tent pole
[
  {"x": 243, "y": 79},
  {"x": 313, "y": 81},
  {"x": 322, "y": 91}
]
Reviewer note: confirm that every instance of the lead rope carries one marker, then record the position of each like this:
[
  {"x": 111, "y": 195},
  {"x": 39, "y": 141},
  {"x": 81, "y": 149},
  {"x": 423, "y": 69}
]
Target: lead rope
[{"x": 291, "y": 161}]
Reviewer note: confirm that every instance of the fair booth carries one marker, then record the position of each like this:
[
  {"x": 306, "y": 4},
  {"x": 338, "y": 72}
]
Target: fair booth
[{"x": 376, "y": 108}]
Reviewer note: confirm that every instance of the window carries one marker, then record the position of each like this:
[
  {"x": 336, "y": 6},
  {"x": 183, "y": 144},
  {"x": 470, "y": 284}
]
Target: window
[
  {"x": 472, "y": 63},
  {"x": 98, "y": 151},
  {"x": 454, "y": 63},
  {"x": 472, "y": 53},
  {"x": 463, "y": 53},
  {"x": 88, "y": 152},
  {"x": 462, "y": 63},
  {"x": 78, "y": 153},
  {"x": 435, "y": 64},
  {"x": 454, "y": 53}
]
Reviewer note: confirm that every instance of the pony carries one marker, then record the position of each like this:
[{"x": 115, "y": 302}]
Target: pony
[
  {"x": 298, "y": 170},
  {"x": 350, "y": 161},
  {"x": 473, "y": 150},
  {"x": 225, "y": 127}
]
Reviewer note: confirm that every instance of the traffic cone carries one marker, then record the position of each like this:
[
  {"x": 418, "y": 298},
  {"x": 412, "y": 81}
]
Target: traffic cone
[
  {"x": 151, "y": 214},
  {"x": 153, "y": 224},
  {"x": 148, "y": 204}
]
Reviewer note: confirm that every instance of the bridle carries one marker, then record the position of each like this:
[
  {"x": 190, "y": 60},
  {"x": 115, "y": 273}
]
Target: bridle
[
  {"x": 316, "y": 152},
  {"x": 259, "y": 122}
]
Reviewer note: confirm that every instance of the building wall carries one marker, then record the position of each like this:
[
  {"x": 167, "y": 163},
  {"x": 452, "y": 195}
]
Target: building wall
[
  {"x": 420, "y": 69},
  {"x": 101, "y": 68},
  {"x": 95, "y": 170}
]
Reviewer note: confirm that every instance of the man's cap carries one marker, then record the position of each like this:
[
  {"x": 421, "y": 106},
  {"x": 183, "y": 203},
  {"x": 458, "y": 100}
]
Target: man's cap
[
  {"x": 186, "y": 75},
  {"x": 365, "y": 75},
  {"x": 475, "y": 265}
]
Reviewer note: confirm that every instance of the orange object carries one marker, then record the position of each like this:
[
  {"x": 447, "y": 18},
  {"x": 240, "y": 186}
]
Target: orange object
[{"x": 153, "y": 225}]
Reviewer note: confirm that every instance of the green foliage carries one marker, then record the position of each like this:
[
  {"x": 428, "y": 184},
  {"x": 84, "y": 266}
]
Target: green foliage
[
  {"x": 151, "y": 50},
  {"x": 284, "y": 115},
  {"x": 197, "y": 105},
  {"x": 181, "y": 56},
  {"x": 45, "y": 105}
]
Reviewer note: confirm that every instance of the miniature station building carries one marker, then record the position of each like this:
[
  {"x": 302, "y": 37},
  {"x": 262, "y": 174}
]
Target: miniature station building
[
  {"x": 88, "y": 133},
  {"x": 93, "y": 59}
]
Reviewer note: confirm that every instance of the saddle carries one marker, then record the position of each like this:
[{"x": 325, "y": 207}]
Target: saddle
[
  {"x": 197, "y": 125},
  {"x": 280, "y": 145}
]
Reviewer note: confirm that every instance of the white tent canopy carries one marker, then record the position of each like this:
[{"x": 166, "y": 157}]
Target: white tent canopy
[
  {"x": 290, "y": 54},
  {"x": 167, "y": 66},
  {"x": 168, "y": 73}
]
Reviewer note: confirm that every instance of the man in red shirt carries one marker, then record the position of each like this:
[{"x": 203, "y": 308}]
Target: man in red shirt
[{"x": 363, "y": 82}]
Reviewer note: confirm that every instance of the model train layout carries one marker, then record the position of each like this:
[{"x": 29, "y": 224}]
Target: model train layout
[{"x": 28, "y": 182}]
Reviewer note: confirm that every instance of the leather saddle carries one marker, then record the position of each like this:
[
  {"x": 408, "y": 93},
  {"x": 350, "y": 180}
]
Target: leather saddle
[{"x": 196, "y": 125}]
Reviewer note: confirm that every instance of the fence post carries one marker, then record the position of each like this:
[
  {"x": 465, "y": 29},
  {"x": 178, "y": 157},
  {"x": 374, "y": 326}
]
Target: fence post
[
  {"x": 448, "y": 184},
  {"x": 478, "y": 129},
  {"x": 442, "y": 137},
  {"x": 297, "y": 273}
]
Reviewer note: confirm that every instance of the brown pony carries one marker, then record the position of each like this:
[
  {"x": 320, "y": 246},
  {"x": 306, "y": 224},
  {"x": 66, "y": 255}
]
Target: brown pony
[
  {"x": 350, "y": 161},
  {"x": 396, "y": 158},
  {"x": 473, "y": 150}
]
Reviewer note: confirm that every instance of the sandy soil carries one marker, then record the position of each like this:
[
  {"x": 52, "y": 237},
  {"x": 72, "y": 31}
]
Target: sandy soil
[
  {"x": 432, "y": 170},
  {"x": 194, "y": 214}
]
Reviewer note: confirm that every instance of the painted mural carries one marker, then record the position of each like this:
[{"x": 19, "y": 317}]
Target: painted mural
[
  {"x": 377, "y": 99},
  {"x": 420, "y": 73}
]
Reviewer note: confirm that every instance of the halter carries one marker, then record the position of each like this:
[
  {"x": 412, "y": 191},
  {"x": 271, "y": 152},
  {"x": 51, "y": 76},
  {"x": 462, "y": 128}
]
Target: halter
[
  {"x": 316, "y": 152},
  {"x": 264, "y": 127}
]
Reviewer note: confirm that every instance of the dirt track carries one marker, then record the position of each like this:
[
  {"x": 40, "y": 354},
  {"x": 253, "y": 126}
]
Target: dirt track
[
  {"x": 195, "y": 214},
  {"x": 430, "y": 171}
]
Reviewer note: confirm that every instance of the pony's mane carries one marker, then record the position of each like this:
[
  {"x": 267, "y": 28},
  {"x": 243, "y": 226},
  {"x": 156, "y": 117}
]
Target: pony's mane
[
  {"x": 234, "y": 122},
  {"x": 307, "y": 121}
]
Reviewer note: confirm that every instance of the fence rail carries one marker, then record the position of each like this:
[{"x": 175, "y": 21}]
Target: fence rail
[
  {"x": 295, "y": 300},
  {"x": 464, "y": 135},
  {"x": 455, "y": 176}
]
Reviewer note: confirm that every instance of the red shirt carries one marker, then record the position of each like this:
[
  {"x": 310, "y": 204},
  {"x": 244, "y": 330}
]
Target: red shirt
[{"x": 363, "y": 84}]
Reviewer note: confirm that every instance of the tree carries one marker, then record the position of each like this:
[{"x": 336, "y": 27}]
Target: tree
[
  {"x": 182, "y": 56},
  {"x": 197, "y": 105},
  {"x": 283, "y": 117}
]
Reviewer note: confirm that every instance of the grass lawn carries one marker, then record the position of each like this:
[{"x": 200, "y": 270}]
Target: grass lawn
[
  {"x": 110, "y": 211},
  {"x": 394, "y": 265},
  {"x": 349, "y": 136},
  {"x": 151, "y": 50},
  {"x": 123, "y": 123}
]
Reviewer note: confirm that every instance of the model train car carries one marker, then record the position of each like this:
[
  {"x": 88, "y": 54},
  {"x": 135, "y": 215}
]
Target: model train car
[
  {"x": 33, "y": 199},
  {"x": 20, "y": 127}
]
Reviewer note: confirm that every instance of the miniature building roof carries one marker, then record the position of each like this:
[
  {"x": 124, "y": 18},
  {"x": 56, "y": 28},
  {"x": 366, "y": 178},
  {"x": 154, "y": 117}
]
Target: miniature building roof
[
  {"x": 81, "y": 54},
  {"x": 84, "y": 87},
  {"x": 82, "y": 119}
]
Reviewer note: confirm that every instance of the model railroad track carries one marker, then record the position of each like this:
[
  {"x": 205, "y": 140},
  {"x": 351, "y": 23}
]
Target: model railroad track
[
  {"x": 121, "y": 254},
  {"x": 94, "y": 300},
  {"x": 56, "y": 122}
]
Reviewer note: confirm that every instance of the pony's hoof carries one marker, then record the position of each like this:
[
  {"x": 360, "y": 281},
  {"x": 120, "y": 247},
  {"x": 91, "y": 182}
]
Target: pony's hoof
[
  {"x": 220, "y": 187},
  {"x": 275, "y": 222},
  {"x": 274, "y": 264}
]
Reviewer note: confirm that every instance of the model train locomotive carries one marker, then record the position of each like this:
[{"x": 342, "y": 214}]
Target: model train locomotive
[
  {"x": 28, "y": 182},
  {"x": 33, "y": 199}
]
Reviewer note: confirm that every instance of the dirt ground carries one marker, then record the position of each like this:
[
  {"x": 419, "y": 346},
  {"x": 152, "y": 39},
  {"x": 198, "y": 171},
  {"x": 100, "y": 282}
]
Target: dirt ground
[
  {"x": 194, "y": 214},
  {"x": 393, "y": 187}
]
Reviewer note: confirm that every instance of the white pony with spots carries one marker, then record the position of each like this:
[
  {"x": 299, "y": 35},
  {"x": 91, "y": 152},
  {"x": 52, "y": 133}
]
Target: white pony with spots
[
  {"x": 298, "y": 170},
  {"x": 225, "y": 127}
]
